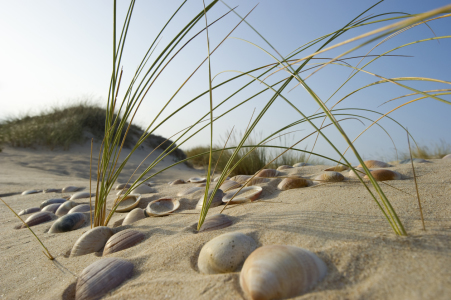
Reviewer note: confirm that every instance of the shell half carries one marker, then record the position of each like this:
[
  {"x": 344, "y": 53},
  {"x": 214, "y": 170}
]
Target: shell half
[
  {"x": 162, "y": 207},
  {"x": 38, "y": 218},
  {"x": 65, "y": 208},
  {"x": 134, "y": 215},
  {"x": 29, "y": 211},
  {"x": 68, "y": 223},
  {"x": 123, "y": 240},
  {"x": 292, "y": 183},
  {"x": 267, "y": 173},
  {"x": 247, "y": 194},
  {"x": 375, "y": 164},
  {"x": 330, "y": 176},
  {"x": 215, "y": 222},
  {"x": 384, "y": 174},
  {"x": 91, "y": 241},
  {"x": 52, "y": 201},
  {"x": 216, "y": 201},
  {"x": 81, "y": 195},
  {"x": 128, "y": 203}
]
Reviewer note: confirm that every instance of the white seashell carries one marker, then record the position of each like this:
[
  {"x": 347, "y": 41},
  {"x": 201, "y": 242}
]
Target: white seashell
[
  {"x": 65, "y": 208},
  {"x": 196, "y": 180},
  {"x": 81, "y": 195},
  {"x": 162, "y": 207},
  {"x": 447, "y": 156},
  {"x": 216, "y": 201},
  {"x": 29, "y": 211},
  {"x": 267, "y": 173},
  {"x": 178, "y": 181},
  {"x": 190, "y": 190},
  {"x": 384, "y": 174},
  {"x": 52, "y": 201},
  {"x": 91, "y": 241},
  {"x": 292, "y": 182},
  {"x": 134, "y": 215},
  {"x": 123, "y": 240},
  {"x": 102, "y": 276},
  {"x": 225, "y": 253},
  {"x": 70, "y": 189},
  {"x": 338, "y": 168},
  {"x": 330, "y": 176},
  {"x": 28, "y": 192},
  {"x": 375, "y": 164},
  {"x": 215, "y": 222},
  {"x": 241, "y": 178},
  {"x": 38, "y": 218},
  {"x": 122, "y": 186},
  {"x": 351, "y": 173},
  {"x": 68, "y": 223},
  {"x": 128, "y": 203},
  {"x": 52, "y": 207},
  {"x": 301, "y": 164},
  {"x": 279, "y": 272},
  {"x": 229, "y": 185},
  {"x": 81, "y": 208},
  {"x": 250, "y": 193}
]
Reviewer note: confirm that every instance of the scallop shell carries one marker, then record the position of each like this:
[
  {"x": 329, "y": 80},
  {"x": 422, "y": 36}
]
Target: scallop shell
[
  {"x": 216, "y": 201},
  {"x": 123, "y": 240},
  {"x": 68, "y": 223},
  {"x": 38, "y": 218},
  {"x": 250, "y": 193},
  {"x": 122, "y": 186},
  {"x": 267, "y": 173},
  {"x": 28, "y": 192},
  {"x": 102, "y": 276},
  {"x": 415, "y": 160},
  {"x": 81, "y": 195},
  {"x": 384, "y": 174},
  {"x": 279, "y": 272},
  {"x": 128, "y": 203},
  {"x": 330, "y": 176},
  {"x": 134, "y": 215},
  {"x": 284, "y": 167},
  {"x": 52, "y": 201},
  {"x": 52, "y": 207},
  {"x": 375, "y": 164},
  {"x": 257, "y": 180},
  {"x": 29, "y": 211},
  {"x": 241, "y": 178},
  {"x": 196, "y": 180},
  {"x": 81, "y": 208},
  {"x": 91, "y": 241},
  {"x": 189, "y": 191},
  {"x": 225, "y": 253},
  {"x": 215, "y": 222},
  {"x": 162, "y": 207},
  {"x": 448, "y": 156},
  {"x": 292, "y": 183},
  {"x": 301, "y": 164},
  {"x": 229, "y": 185},
  {"x": 178, "y": 181},
  {"x": 70, "y": 189},
  {"x": 52, "y": 191},
  {"x": 338, "y": 168},
  {"x": 65, "y": 208}
]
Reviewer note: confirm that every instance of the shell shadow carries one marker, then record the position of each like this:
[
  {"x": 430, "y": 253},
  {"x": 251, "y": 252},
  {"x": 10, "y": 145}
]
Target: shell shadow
[{"x": 69, "y": 292}]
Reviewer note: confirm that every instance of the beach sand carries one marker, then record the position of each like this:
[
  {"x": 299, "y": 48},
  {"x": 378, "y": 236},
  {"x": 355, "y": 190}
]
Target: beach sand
[{"x": 339, "y": 222}]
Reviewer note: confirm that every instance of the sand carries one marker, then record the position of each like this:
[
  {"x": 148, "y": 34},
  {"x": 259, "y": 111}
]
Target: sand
[{"x": 339, "y": 222}]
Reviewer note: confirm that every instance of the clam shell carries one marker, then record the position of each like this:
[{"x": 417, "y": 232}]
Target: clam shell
[
  {"x": 279, "y": 272},
  {"x": 122, "y": 186},
  {"x": 215, "y": 222},
  {"x": 292, "y": 183},
  {"x": 189, "y": 191},
  {"x": 91, "y": 241},
  {"x": 29, "y": 211},
  {"x": 134, "y": 215},
  {"x": 102, "y": 276},
  {"x": 448, "y": 156},
  {"x": 178, "y": 181},
  {"x": 384, "y": 174},
  {"x": 123, "y": 240},
  {"x": 216, "y": 201},
  {"x": 330, "y": 176},
  {"x": 225, "y": 253},
  {"x": 338, "y": 168},
  {"x": 52, "y": 191},
  {"x": 267, "y": 173},
  {"x": 196, "y": 180},
  {"x": 284, "y": 167},
  {"x": 38, "y": 218},
  {"x": 81, "y": 195},
  {"x": 68, "y": 223},
  {"x": 128, "y": 203},
  {"x": 241, "y": 178},
  {"x": 162, "y": 207},
  {"x": 52, "y": 201},
  {"x": 70, "y": 189},
  {"x": 415, "y": 160},
  {"x": 52, "y": 207},
  {"x": 301, "y": 164},
  {"x": 257, "y": 180},
  {"x": 375, "y": 164},
  {"x": 28, "y": 192},
  {"x": 250, "y": 193},
  {"x": 81, "y": 208},
  {"x": 229, "y": 185},
  {"x": 65, "y": 208}
]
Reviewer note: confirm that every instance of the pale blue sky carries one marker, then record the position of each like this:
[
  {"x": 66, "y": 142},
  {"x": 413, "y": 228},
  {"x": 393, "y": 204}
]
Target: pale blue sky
[{"x": 55, "y": 52}]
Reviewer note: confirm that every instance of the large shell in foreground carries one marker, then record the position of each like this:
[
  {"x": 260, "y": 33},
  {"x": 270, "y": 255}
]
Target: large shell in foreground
[
  {"x": 247, "y": 194},
  {"x": 279, "y": 272},
  {"x": 81, "y": 208},
  {"x": 338, "y": 168},
  {"x": 384, "y": 174},
  {"x": 29, "y": 211},
  {"x": 52, "y": 207},
  {"x": 102, "y": 276},
  {"x": 215, "y": 222},
  {"x": 123, "y": 240},
  {"x": 216, "y": 201},
  {"x": 189, "y": 191},
  {"x": 267, "y": 173},
  {"x": 375, "y": 164},
  {"x": 65, "y": 208},
  {"x": 225, "y": 253},
  {"x": 52, "y": 201},
  {"x": 128, "y": 203},
  {"x": 330, "y": 176},
  {"x": 162, "y": 207},
  {"x": 38, "y": 218},
  {"x": 292, "y": 183},
  {"x": 70, "y": 189},
  {"x": 68, "y": 223},
  {"x": 28, "y": 192},
  {"x": 135, "y": 215},
  {"x": 91, "y": 241},
  {"x": 241, "y": 178},
  {"x": 81, "y": 195}
]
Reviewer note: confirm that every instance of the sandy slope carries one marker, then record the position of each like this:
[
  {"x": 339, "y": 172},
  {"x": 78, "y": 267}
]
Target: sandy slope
[{"x": 339, "y": 222}]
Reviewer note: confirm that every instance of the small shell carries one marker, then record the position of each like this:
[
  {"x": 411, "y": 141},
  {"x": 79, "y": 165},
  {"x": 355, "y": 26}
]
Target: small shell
[
  {"x": 216, "y": 222},
  {"x": 189, "y": 191},
  {"x": 52, "y": 207},
  {"x": 28, "y": 192},
  {"x": 301, "y": 164},
  {"x": 225, "y": 253},
  {"x": 52, "y": 191},
  {"x": 216, "y": 201},
  {"x": 38, "y": 218},
  {"x": 241, "y": 178},
  {"x": 81, "y": 208},
  {"x": 123, "y": 240},
  {"x": 162, "y": 207},
  {"x": 122, "y": 186},
  {"x": 375, "y": 164},
  {"x": 284, "y": 167},
  {"x": 65, "y": 208},
  {"x": 178, "y": 181},
  {"x": 52, "y": 201},
  {"x": 91, "y": 241},
  {"x": 330, "y": 176},
  {"x": 29, "y": 211},
  {"x": 68, "y": 223},
  {"x": 267, "y": 173},
  {"x": 70, "y": 189},
  {"x": 351, "y": 173},
  {"x": 81, "y": 195},
  {"x": 415, "y": 160},
  {"x": 448, "y": 156},
  {"x": 292, "y": 183},
  {"x": 229, "y": 185},
  {"x": 135, "y": 215},
  {"x": 257, "y": 180},
  {"x": 384, "y": 174},
  {"x": 128, "y": 203},
  {"x": 217, "y": 178},
  {"x": 143, "y": 189},
  {"x": 279, "y": 272},
  {"x": 102, "y": 276},
  {"x": 250, "y": 193},
  {"x": 338, "y": 168},
  {"x": 196, "y": 180}
]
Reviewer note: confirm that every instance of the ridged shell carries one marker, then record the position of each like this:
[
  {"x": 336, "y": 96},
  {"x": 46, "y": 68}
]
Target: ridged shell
[
  {"x": 216, "y": 201},
  {"x": 215, "y": 222},
  {"x": 190, "y": 190},
  {"x": 229, "y": 185},
  {"x": 135, "y": 215},
  {"x": 330, "y": 176},
  {"x": 178, "y": 181},
  {"x": 38, "y": 218},
  {"x": 257, "y": 180},
  {"x": 81, "y": 208},
  {"x": 384, "y": 174},
  {"x": 70, "y": 189},
  {"x": 351, "y": 173},
  {"x": 284, "y": 167},
  {"x": 448, "y": 156},
  {"x": 338, "y": 168},
  {"x": 415, "y": 160},
  {"x": 241, "y": 178},
  {"x": 81, "y": 195},
  {"x": 128, "y": 203},
  {"x": 292, "y": 183},
  {"x": 29, "y": 211},
  {"x": 28, "y": 192},
  {"x": 162, "y": 207},
  {"x": 52, "y": 191},
  {"x": 375, "y": 164},
  {"x": 68, "y": 223},
  {"x": 52, "y": 201},
  {"x": 279, "y": 272},
  {"x": 102, "y": 276},
  {"x": 301, "y": 164},
  {"x": 123, "y": 240},
  {"x": 65, "y": 208},
  {"x": 225, "y": 253},
  {"x": 91, "y": 241},
  {"x": 196, "y": 180},
  {"x": 267, "y": 173},
  {"x": 250, "y": 193},
  {"x": 52, "y": 207},
  {"x": 122, "y": 186}
]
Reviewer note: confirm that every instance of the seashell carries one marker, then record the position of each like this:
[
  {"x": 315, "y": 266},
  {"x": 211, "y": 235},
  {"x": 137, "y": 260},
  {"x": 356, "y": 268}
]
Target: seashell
[
  {"x": 302, "y": 164},
  {"x": 415, "y": 160},
  {"x": 241, "y": 178},
  {"x": 134, "y": 215},
  {"x": 52, "y": 201},
  {"x": 204, "y": 184},
  {"x": 375, "y": 164},
  {"x": 68, "y": 223},
  {"x": 384, "y": 174},
  {"x": 351, "y": 173},
  {"x": 128, "y": 203},
  {"x": 52, "y": 191},
  {"x": 65, "y": 208},
  {"x": 215, "y": 222},
  {"x": 81, "y": 208},
  {"x": 122, "y": 240},
  {"x": 122, "y": 186},
  {"x": 292, "y": 183},
  {"x": 447, "y": 156},
  {"x": 338, "y": 168},
  {"x": 284, "y": 167},
  {"x": 81, "y": 195},
  {"x": 52, "y": 207},
  {"x": 118, "y": 222},
  {"x": 196, "y": 180},
  {"x": 189, "y": 191},
  {"x": 29, "y": 211},
  {"x": 38, "y": 218},
  {"x": 70, "y": 189},
  {"x": 257, "y": 180},
  {"x": 279, "y": 272},
  {"x": 102, "y": 276},
  {"x": 91, "y": 241},
  {"x": 330, "y": 176},
  {"x": 229, "y": 185},
  {"x": 28, "y": 192},
  {"x": 217, "y": 178},
  {"x": 178, "y": 181},
  {"x": 225, "y": 253},
  {"x": 216, "y": 201},
  {"x": 143, "y": 189},
  {"x": 250, "y": 193},
  {"x": 267, "y": 173},
  {"x": 162, "y": 207}
]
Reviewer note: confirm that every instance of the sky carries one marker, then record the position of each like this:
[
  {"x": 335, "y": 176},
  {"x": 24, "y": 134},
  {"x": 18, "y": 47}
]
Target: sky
[{"x": 57, "y": 53}]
